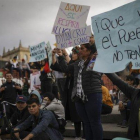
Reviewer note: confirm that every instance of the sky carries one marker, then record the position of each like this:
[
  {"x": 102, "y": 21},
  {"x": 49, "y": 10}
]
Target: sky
[{"x": 31, "y": 21}]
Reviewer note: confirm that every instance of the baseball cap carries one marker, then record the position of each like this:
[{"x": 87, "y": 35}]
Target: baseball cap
[{"x": 21, "y": 98}]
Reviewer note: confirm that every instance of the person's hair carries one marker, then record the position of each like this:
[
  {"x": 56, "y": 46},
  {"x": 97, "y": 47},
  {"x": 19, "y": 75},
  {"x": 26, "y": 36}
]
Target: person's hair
[
  {"x": 49, "y": 95},
  {"x": 130, "y": 77},
  {"x": 76, "y": 49},
  {"x": 7, "y": 73},
  {"x": 92, "y": 51},
  {"x": 33, "y": 100}
]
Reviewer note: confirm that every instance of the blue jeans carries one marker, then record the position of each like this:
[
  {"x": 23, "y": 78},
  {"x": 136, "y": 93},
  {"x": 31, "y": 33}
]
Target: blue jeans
[{"x": 90, "y": 113}]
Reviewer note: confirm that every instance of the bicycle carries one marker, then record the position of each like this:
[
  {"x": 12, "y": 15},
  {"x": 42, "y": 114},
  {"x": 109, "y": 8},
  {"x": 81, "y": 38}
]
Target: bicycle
[{"x": 7, "y": 121}]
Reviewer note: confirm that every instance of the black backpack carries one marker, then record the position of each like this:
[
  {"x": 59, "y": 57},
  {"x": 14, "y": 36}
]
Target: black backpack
[{"x": 62, "y": 123}]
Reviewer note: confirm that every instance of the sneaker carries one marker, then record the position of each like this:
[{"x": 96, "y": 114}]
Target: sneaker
[
  {"x": 124, "y": 124},
  {"x": 78, "y": 138},
  {"x": 119, "y": 124}
]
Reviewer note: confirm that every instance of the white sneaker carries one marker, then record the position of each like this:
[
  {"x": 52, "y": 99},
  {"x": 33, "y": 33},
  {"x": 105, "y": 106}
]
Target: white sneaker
[{"x": 78, "y": 138}]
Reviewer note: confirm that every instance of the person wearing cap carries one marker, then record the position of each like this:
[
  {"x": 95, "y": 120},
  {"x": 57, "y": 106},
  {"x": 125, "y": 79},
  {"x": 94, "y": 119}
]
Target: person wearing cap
[
  {"x": 43, "y": 122},
  {"x": 24, "y": 66},
  {"x": 20, "y": 115},
  {"x": 15, "y": 65},
  {"x": 87, "y": 92}
]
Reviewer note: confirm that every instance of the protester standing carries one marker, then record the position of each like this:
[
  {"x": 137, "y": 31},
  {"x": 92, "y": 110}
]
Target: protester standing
[
  {"x": 70, "y": 109},
  {"x": 87, "y": 92}
]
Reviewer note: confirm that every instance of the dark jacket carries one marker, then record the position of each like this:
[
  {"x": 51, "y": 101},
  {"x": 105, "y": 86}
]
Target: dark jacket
[
  {"x": 134, "y": 95},
  {"x": 17, "y": 118},
  {"x": 91, "y": 80},
  {"x": 40, "y": 125},
  {"x": 10, "y": 93},
  {"x": 70, "y": 109}
]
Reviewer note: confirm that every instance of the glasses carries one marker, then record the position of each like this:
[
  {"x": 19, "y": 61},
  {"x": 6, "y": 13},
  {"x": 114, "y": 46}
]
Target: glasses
[{"x": 32, "y": 106}]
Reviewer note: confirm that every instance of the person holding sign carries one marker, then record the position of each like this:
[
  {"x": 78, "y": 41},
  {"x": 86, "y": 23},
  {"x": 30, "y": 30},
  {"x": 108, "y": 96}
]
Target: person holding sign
[
  {"x": 87, "y": 92},
  {"x": 133, "y": 94},
  {"x": 70, "y": 109}
]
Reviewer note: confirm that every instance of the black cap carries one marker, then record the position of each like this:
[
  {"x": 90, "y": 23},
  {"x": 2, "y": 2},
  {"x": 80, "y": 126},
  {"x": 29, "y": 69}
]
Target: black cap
[{"x": 21, "y": 98}]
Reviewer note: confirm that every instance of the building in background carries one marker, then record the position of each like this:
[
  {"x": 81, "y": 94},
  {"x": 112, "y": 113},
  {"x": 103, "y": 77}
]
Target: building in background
[{"x": 21, "y": 53}]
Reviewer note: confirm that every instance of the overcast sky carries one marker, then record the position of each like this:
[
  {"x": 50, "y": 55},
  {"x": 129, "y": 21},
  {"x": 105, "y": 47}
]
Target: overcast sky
[{"x": 31, "y": 21}]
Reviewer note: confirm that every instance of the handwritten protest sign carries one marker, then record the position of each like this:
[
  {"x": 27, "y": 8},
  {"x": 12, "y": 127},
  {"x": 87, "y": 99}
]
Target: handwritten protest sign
[
  {"x": 117, "y": 37},
  {"x": 74, "y": 37},
  {"x": 70, "y": 16},
  {"x": 49, "y": 51},
  {"x": 37, "y": 52}
]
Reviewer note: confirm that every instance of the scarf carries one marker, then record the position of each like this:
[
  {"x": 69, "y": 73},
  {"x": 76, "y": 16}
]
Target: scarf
[{"x": 80, "y": 93}]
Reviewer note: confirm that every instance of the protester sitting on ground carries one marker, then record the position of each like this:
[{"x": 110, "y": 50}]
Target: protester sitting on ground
[
  {"x": 35, "y": 94},
  {"x": 45, "y": 77},
  {"x": 133, "y": 94},
  {"x": 107, "y": 104},
  {"x": 24, "y": 66},
  {"x": 8, "y": 92},
  {"x": 43, "y": 122},
  {"x": 15, "y": 65},
  {"x": 25, "y": 87},
  {"x": 20, "y": 115},
  {"x": 53, "y": 104}
]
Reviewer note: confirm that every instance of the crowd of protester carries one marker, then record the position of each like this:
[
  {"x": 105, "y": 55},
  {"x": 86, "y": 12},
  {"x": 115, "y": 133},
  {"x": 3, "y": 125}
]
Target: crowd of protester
[{"x": 70, "y": 91}]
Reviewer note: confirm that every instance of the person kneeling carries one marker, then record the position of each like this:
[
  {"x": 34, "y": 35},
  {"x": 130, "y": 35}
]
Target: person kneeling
[{"x": 43, "y": 122}]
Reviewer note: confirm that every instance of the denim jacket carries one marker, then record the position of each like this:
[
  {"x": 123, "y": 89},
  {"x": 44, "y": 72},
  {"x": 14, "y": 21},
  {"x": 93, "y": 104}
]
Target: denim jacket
[{"x": 41, "y": 126}]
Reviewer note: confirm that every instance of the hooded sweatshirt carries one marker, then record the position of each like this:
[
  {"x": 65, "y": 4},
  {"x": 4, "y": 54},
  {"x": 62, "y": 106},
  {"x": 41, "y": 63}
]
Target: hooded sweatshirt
[
  {"x": 55, "y": 106},
  {"x": 35, "y": 92}
]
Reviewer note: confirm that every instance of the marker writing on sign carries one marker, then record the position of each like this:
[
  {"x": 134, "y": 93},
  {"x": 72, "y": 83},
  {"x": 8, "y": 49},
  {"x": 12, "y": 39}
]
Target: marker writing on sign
[
  {"x": 68, "y": 23},
  {"x": 131, "y": 54},
  {"x": 60, "y": 30},
  {"x": 69, "y": 35},
  {"x": 125, "y": 36},
  {"x": 36, "y": 47},
  {"x": 107, "y": 24},
  {"x": 73, "y": 7}
]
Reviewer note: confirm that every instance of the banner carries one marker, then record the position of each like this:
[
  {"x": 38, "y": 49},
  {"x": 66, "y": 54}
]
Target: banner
[
  {"x": 38, "y": 52},
  {"x": 73, "y": 38},
  {"x": 70, "y": 16},
  {"x": 117, "y": 37},
  {"x": 49, "y": 51}
]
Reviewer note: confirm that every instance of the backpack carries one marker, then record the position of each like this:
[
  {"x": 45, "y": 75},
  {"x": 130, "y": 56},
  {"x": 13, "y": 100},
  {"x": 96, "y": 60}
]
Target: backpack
[{"x": 61, "y": 122}]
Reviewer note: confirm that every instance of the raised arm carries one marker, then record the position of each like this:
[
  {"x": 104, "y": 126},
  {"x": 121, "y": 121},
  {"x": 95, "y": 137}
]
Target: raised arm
[{"x": 123, "y": 86}]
